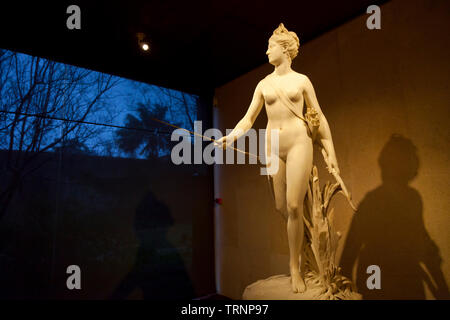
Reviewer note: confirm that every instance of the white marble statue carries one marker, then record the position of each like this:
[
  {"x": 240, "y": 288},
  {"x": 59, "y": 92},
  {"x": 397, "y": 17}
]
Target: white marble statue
[{"x": 284, "y": 93}]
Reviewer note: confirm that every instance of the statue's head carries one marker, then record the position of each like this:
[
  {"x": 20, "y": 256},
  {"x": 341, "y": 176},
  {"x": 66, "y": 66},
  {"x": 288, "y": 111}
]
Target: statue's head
[{"x": 282, "y": 44}]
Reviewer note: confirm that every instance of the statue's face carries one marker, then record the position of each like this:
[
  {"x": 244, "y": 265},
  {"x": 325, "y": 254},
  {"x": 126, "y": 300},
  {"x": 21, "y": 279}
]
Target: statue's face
[{"x": 275, "y": 52}]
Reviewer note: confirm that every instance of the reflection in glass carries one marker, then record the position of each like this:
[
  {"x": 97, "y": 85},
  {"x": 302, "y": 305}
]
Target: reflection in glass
[{"x": 83, "y": 169}]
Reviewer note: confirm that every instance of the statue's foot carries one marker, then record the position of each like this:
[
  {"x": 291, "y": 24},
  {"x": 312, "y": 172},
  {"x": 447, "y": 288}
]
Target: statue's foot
[{"x": 297, "y": 282}]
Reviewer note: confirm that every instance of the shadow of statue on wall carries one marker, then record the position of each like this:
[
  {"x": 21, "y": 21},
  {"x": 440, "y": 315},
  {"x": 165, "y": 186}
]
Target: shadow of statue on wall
[
  {"x": 388, "y": 230},
  {"x": 159, "y": 271}
]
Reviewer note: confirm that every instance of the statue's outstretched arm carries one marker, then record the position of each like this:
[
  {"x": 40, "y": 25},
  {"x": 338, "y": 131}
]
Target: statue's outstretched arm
[{"x": 247, "y": 121}]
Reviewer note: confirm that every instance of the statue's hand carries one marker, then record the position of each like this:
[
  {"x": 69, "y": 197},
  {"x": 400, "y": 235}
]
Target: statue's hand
[
  {"x": 221, "y": 143},
  {"x": 331, "y": 162}
]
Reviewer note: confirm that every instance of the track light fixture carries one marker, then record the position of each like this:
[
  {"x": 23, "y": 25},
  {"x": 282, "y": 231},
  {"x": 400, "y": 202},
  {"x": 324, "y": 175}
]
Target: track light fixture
[{"x": 143, "y": 43}]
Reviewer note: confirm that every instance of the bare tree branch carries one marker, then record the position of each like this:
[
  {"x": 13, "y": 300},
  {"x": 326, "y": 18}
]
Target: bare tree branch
[{"x": 35, "y": 86}]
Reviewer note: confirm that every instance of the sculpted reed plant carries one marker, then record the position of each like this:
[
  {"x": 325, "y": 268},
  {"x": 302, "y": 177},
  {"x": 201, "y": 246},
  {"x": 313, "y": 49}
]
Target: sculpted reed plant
[{"x": 321, "y": 242}]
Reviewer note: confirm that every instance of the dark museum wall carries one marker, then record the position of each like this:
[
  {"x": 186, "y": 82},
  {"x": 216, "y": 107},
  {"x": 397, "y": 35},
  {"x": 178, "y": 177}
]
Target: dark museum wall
[
  {"x": 134, "y": 226},
  {"x": 385, "y": 94}
]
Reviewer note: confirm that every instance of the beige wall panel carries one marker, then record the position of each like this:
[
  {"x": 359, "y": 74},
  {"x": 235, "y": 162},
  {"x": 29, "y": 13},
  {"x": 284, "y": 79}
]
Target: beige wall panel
[{"x": 370, "y": 85}]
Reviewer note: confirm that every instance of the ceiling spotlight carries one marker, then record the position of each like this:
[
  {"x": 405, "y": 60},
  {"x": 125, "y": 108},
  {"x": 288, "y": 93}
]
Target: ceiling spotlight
[{"x": 144, "y": 44}]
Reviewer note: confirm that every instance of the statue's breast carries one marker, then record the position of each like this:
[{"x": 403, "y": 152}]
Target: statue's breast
[
  {"x": 270, "y": 97},
  {"x": 294, "y": 94}
]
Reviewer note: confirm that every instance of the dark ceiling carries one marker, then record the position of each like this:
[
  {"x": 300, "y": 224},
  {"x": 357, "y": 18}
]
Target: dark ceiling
[{"x": 195, "y": 45}]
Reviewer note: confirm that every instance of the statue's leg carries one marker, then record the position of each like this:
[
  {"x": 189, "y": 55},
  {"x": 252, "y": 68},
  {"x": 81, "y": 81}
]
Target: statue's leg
[
  {"x": 277, "y": 184},
  {"x": 298, "y": 168}
]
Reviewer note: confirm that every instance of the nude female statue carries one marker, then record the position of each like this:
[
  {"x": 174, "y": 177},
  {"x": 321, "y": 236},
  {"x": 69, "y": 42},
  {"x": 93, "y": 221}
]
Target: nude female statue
[{"x": 295, "y": 155}]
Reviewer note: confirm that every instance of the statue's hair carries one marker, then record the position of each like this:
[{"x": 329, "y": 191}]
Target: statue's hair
[{"x": 287, "y": 39}]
